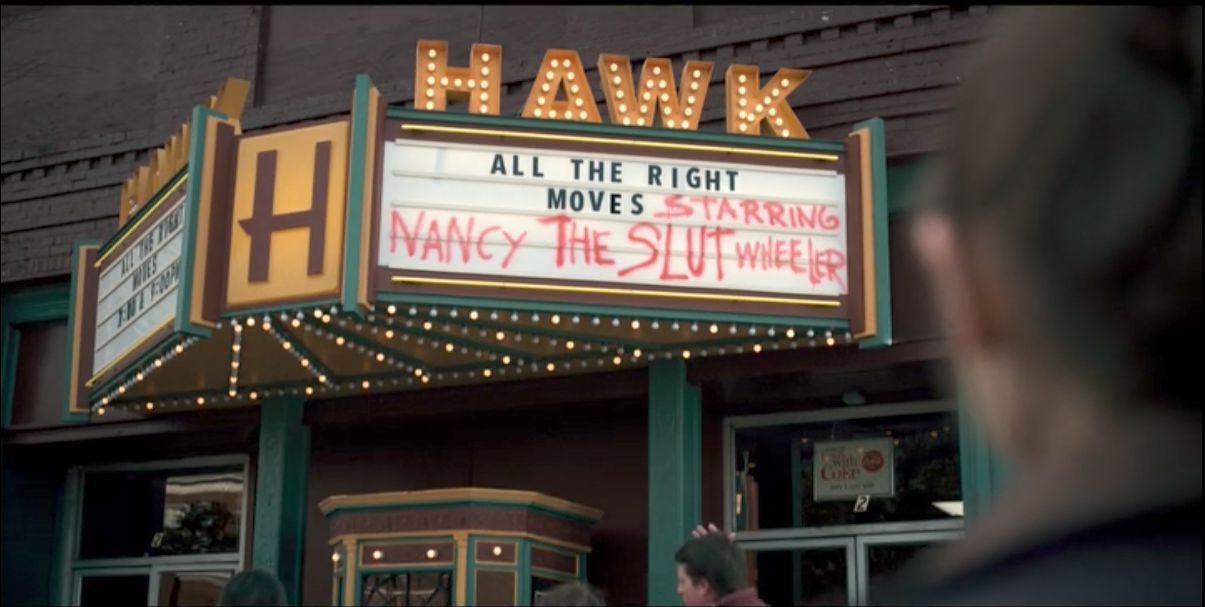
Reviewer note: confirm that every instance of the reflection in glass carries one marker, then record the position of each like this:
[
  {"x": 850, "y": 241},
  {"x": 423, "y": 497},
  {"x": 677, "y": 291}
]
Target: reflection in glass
[
  {"x": 886, "y": 560},
  {"x": 191, "y": 589},
  {"x": 779, "y": 482},
  {"x": 105, "y": 590},
  {"x": 813, "y": 576},
  {"x": 433, "y": 588},
  {"x": 162, "y": 512}
]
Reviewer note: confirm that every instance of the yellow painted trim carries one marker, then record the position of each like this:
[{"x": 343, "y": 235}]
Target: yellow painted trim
[
  {"x": 167, "y": 194},
  {"x": 868, "y": 268},
  {"x": 694, "y": 147},
  {"x": 120, "y": 357},
  {"x": 463, "y": 282},
  {"x": 425, "y": 564},
  {"x": 352, "y": 566},
  {"x": 366, "y": 537},
  {"x": 477, "y": 584},
  {"x": 462, "y": 566},
  {"x": 459, "y": 493}
]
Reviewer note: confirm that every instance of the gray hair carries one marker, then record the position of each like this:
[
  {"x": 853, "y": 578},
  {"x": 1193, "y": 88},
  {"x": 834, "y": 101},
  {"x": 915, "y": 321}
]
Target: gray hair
[
  {"x": 575, "y": 594},
  {"x": 254, "y": 588}
]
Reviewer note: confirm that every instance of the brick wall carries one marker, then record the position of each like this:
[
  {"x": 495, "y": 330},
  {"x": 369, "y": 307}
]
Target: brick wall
[{"x": 89, "y": 90}]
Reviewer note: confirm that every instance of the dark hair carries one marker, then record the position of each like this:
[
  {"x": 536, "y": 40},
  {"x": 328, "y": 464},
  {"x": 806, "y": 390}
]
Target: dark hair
[
  {"x": 1075, "y": 157},
  {"x": 715, "y": 558},
  {"x": 254, "y": 588},
  {"x": 575, "y": 594}
]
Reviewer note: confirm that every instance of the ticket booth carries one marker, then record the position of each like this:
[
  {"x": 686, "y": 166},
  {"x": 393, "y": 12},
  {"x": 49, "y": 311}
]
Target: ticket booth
[{"x": 460, "y": 546}]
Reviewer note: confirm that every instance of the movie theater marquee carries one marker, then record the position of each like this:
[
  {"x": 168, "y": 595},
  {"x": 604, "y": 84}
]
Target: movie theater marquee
[
  {"x": 446, "y": 200},
  {"x": 617, "y": 219}
]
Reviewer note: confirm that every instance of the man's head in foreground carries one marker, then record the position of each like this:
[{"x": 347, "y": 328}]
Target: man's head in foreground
[{"x": 709, "y": 567}]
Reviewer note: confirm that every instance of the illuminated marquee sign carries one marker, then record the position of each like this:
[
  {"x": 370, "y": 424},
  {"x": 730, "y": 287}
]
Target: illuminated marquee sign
[
  {"x": 138, "y": 299},
  {"x": 654, "y": 99},
  {"x": 324, "y": 230},
  {"x": 139, "y": 292},
  {"x": 616, "y": 219}
]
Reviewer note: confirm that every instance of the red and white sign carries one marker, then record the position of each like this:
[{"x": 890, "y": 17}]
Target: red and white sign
[
  {"x": 844, "y": 470},
  {"x": 623, "y": 220}
]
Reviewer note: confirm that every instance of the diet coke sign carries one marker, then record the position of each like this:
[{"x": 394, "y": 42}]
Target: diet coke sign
[{"x": 844, "y": 470}]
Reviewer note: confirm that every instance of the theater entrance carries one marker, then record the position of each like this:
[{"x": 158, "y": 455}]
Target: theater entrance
[
  {"x": 838, "y": 570},
  {"x": 828, "y": 504}
]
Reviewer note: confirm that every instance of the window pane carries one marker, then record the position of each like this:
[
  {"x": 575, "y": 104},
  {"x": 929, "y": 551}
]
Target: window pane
[
  {"x": 432, "y": 588},
  {"x": 191, "y": 589},
  {"x": 783, "y": 489},
  {"x": 105, "y": 590},
  {"x": 810, "y": 576},
  {"x": 162, "y": 512},
  {"x": 886, "y": 560}
]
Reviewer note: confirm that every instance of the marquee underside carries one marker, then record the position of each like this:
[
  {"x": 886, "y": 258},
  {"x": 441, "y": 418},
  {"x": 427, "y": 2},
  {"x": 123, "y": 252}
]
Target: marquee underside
[{"x": 320, "y": 352}]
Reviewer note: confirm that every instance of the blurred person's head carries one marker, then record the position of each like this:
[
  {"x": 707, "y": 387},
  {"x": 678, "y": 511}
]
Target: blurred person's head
[
  {"x": 574, "y": 594},
  {"x": 253, "y": 588},
  {"x": 709, "y": 567},
  {"x": 1062, "y": 232}
]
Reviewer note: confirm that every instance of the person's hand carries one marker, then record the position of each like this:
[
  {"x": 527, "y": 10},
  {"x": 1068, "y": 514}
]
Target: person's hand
[{"x": 700, "y": 531}]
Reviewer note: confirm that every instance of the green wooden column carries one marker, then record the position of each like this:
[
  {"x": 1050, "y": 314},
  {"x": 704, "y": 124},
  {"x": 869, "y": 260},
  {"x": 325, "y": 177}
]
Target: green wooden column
[
  {"x": 280, "y": 485},
  {"x": 675, "y": 471},
  {"x": 984, "y": 472}
]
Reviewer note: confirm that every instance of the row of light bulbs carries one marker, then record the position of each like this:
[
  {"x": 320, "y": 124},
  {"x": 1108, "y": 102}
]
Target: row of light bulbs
[
  {"x": 498, "y": 365},
  {"x": 140, "y": 374}
]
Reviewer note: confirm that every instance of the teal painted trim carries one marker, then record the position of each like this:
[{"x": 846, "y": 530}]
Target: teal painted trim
[
  {"x": 76, "y": 280},
  {"x": 45, "y": 303},
  {"x": 37, "y": 304},
  {"x": 903, "y": 177},
  {"x": 882, "y": 259},
  {"x": 985, "y": 473},
  {"x": 281, "y": 470},
  {"x": 392, "y": 569},
  {"x": 568, "y": 308},
  {"x": 470, "y": 572},
  {"x": 10, "y": 338},
  {"x": 821, "y": 146},
  {"x": 353, "y": 217},
  {"x": 192, "y": 194},
  {"x": 360, "y": 570},
  {"x": 674, "y": 465},
  {"x": 308, "y": 307},
  {"x": 65, "y": 536},
  {"x": 142, "y": 210},
  {"x": 501, "y": 503},
  {"x": 523, "y": 556}
]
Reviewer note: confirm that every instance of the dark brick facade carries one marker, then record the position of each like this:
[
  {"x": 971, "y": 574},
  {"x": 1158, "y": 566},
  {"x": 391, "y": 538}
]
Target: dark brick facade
[{"x": 89, "y": 90}]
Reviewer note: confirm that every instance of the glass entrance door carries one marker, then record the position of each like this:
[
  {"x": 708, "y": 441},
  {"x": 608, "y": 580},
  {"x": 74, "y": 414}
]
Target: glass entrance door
[
  {"x": 804, "y": 572},
  {"x": 843, "y": 570},
  {"x": 881, "y": 557}
]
